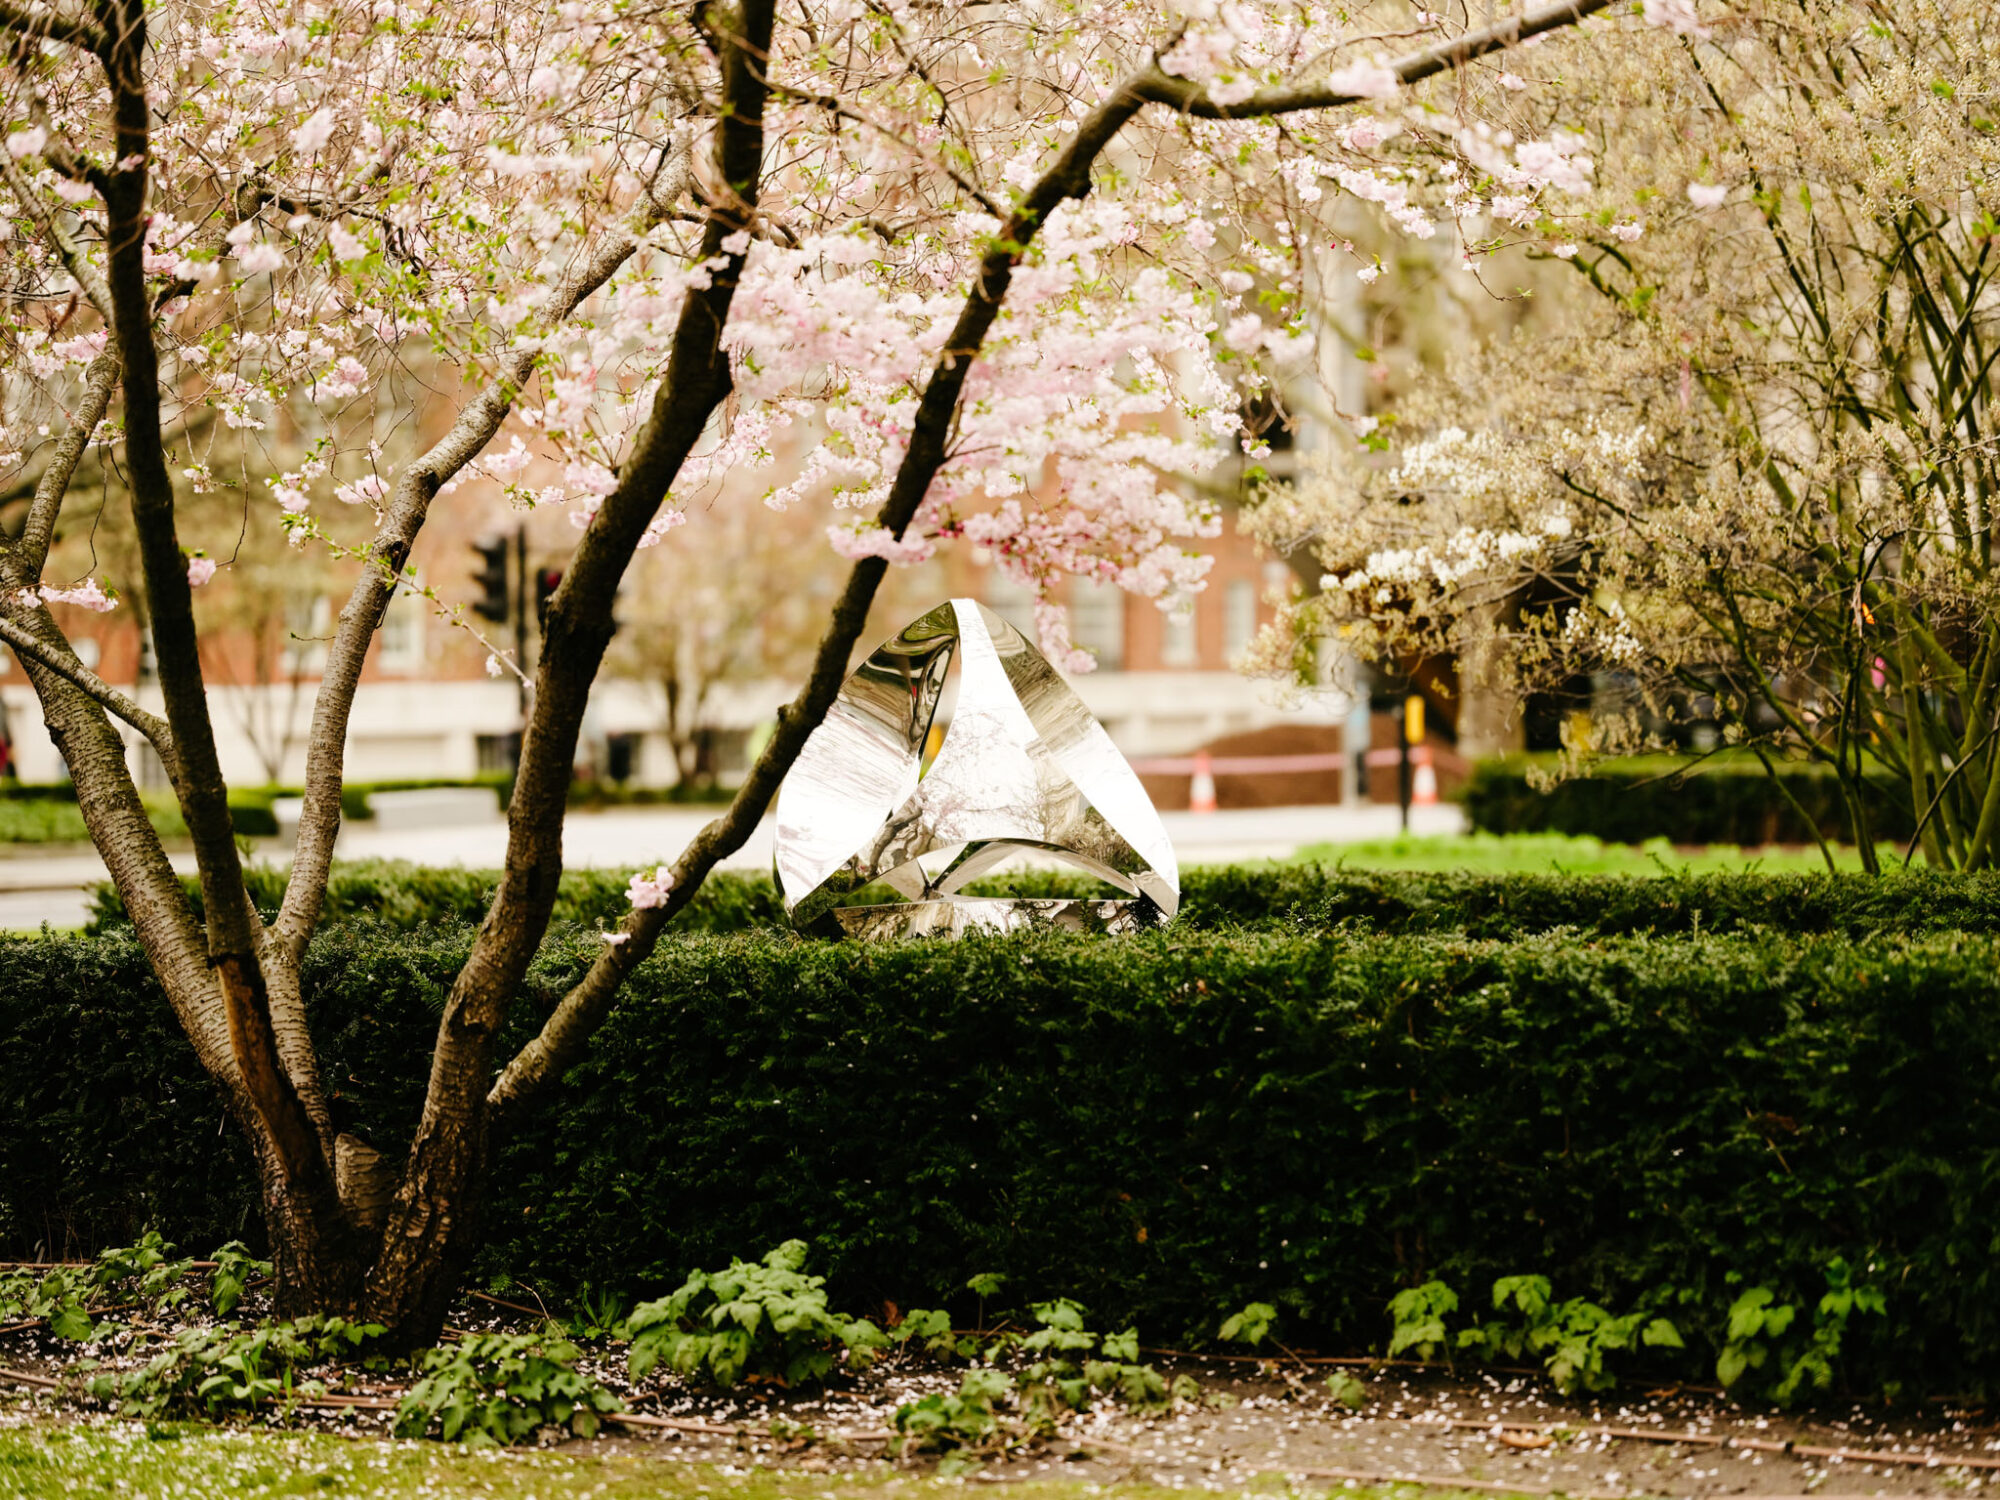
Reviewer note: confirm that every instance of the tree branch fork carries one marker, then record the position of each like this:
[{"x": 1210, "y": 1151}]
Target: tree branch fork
[{"x": 269, "y": 1063}]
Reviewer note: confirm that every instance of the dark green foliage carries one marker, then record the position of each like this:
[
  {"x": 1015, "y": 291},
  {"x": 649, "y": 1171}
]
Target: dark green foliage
[
  {"x": 1299, "y": 897},
  {"x": 1721, "y": 801},
  {"x": 406, "y": 897},
  {"x": 1570, "y": 1339},
  {"x": 1165, "y": 1127}
]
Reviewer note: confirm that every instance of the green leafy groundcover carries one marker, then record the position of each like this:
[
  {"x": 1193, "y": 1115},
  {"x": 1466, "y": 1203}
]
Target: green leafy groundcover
[{"x": 1165, "y": 1127}]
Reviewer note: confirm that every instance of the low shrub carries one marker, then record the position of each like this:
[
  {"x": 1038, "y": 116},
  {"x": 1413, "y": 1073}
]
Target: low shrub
[
  {"x": 765, "y": 1319},
  {"x": 1029, "y": 1381},
  {"x": 496, "y": 1388},
  {"x": 1719, "y": 801},
  {"x": 1165, "y": 1127}
]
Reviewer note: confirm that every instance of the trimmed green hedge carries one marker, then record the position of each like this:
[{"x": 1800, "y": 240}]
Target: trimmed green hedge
[
  {"x": 1721, "y": 801},
  {"x": 1165, "y": 1126},
  {"x": 1303, "y": 897},
  {"x": 406, "y": 897},
  {"x": 46, "y": 813}
]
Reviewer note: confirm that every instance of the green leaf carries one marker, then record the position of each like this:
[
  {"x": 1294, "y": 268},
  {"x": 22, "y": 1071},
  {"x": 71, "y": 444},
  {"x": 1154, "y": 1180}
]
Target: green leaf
[
  {"x": 1730, "y": 1365},
  {"x": 1250, "y": 1326},
  {"x": 1746, "y": 1313}
]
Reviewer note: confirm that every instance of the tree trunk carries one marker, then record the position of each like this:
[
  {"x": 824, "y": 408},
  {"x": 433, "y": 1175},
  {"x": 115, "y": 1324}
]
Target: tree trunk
[{"x": 318, "y": 1266}]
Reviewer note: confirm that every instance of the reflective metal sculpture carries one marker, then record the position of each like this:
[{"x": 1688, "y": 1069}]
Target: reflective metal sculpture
[{"x": 1023, "y": 767}]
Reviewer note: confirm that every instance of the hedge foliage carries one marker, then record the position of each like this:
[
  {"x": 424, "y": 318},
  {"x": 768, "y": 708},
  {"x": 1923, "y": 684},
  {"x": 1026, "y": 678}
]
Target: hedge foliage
[
  {"x": 32, "y": 813},
  {"x": 406, "y": 897},
  {"x": 1165, "y": 1127},
  {"x": 46, "y": 812},
  {"x": 1721, "y": 801},
  {"x": 1297, "y": 897}
]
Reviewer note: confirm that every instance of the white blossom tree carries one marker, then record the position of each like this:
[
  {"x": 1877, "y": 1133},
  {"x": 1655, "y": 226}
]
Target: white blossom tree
[
  {"x": 998, "y": 254},
  {"x": 1746, "y": 470}
]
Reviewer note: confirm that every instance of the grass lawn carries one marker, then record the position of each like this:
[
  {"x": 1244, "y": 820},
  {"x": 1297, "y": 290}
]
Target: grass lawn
[
  {"x": 171, "y": 1460},
  {"x": 1565, "y": 854}
]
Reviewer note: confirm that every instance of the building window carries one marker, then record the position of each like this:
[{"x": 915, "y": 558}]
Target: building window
[
  {"x": 499, "y": 754},
  {"x": 1178, "y": 646},
  {"x": 1239, "y": 618},
  {"x": 621, "y": 756},
  {"x": 1097, "y": 622}
]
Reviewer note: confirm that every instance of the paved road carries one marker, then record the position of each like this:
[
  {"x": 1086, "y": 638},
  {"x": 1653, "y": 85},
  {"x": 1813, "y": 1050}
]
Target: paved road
[{"x": 38, "y": 888}]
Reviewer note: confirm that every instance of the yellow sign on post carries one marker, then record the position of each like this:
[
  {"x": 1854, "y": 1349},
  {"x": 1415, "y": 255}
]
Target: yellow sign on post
[{"x": 1413, "y": 719}]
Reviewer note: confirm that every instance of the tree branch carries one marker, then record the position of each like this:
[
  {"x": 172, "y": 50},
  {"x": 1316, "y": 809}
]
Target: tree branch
[
  {"x": 65, "y": 664},
  {"x": 48, "y": 25},
  {"x": 51, "y": 220},
  {"x": 1160, "y": 87},
  {"x": 31, "y": 548},
  {"x": 450, "y": 1142},
  {"x": 409, "y": 504},
  {"x": 282, "y": 1088},
  {"x": 563, "y": 1037},
  {"x": 255, "y": 191},
  {"x": 848, "y": 112}
]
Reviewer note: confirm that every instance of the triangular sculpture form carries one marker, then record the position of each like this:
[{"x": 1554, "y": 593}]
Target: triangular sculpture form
[{"x": 1023, "y": 767}]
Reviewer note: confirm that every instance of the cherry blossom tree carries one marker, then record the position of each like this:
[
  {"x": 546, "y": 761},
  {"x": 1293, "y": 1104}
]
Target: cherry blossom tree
[{"x": 992, "y": 260}]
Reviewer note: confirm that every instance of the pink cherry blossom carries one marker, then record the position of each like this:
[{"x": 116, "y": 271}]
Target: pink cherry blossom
[
  {"x": 200, "y": 570},
  {"x": 369, "y": 489},
  {"x": 650, "y": 890},
  {"x": 1365, "y": 80},
  {"x": 85, "y": 595},
  {"x": 314, "y": 133},
  {"x": 259, "y": 258}
]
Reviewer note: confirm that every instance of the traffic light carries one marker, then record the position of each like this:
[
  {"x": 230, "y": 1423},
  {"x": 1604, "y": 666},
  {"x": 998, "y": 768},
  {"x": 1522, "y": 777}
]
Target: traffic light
[
  {"x": 1413, "y": 719},
  {"x": 547, "y": 581},
  {"x": 491, "y": 580}
]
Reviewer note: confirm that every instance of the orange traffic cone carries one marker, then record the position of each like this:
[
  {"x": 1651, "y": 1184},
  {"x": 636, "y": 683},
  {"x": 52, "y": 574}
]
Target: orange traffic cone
[
  {"x": 1424, "y": 786},
  {"x": 1201, "y": 789}
]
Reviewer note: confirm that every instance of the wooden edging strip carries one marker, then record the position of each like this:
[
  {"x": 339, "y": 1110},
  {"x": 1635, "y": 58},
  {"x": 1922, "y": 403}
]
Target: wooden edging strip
[{"x": 1438, "y": 1482}]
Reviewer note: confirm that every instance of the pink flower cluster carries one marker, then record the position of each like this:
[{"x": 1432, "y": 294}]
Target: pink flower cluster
[{"x": 647, "y": 892}]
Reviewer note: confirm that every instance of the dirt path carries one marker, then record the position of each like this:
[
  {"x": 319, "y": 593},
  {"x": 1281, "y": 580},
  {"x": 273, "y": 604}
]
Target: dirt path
[
  {"x": 1511, "y": 1436},
  {"x": 1262, "y": 1425}
]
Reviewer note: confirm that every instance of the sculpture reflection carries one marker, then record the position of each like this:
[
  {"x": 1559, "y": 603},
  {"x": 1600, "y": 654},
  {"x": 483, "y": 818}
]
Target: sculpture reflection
[{"x": 1023, "y": 766}]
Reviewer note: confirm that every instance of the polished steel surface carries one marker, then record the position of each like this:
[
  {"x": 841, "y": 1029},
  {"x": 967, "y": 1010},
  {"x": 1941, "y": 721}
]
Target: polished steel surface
[
  {"x": 955, "y": 916},
  {"x": 1023, "y": 766}
]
